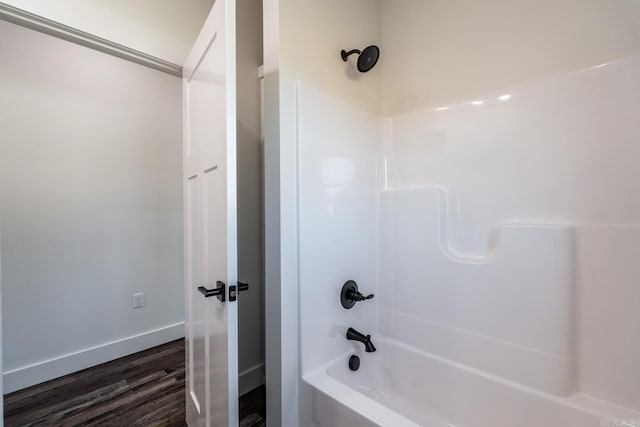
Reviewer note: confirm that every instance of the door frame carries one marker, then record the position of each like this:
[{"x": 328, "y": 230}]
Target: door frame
[
  {"x": 283, "y": 375},
  {"x": 1, "y": 368}
]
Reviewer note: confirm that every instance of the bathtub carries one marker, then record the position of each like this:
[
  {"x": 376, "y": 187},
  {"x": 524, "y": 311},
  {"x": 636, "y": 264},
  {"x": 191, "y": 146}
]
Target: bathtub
[{"x": 400, "y": 386}]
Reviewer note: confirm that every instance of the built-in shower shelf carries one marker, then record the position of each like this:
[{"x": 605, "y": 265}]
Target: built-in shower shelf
[{"x": 509, "y": 313}]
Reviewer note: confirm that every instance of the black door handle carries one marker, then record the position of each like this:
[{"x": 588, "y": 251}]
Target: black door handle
[
  {"x": 218, "y": 291},
  {"x": 232, "y": 290}
]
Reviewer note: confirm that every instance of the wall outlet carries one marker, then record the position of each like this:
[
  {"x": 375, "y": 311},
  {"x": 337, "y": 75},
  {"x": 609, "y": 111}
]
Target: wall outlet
[{"x": 138, "y": 300}]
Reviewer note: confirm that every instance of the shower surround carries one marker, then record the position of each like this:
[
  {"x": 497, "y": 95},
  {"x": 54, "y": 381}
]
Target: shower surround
[{"x": 490, "y": 206}]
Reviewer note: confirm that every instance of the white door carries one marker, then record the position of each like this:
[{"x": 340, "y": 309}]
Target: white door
[{"x": 210, "y": 222}]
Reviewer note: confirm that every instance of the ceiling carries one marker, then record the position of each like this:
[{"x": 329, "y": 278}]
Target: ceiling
[{"x": 162, "y": 28}]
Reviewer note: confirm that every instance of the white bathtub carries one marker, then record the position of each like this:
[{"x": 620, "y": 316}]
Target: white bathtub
[{"x": 399, "y": 386}]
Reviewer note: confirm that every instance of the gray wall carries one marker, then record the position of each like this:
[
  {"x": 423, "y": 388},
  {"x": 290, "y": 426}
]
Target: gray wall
[
  {"x": 250, "y": 219},
  {"x": 96, "y": 212},
  {"x": 90, "y": 203},
  {"x": 1, "y": 382}
]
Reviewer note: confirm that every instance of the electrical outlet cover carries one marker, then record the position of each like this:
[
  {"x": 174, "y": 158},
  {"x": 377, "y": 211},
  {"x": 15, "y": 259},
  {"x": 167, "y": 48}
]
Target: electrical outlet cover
[{"x": 138, "y": 300}]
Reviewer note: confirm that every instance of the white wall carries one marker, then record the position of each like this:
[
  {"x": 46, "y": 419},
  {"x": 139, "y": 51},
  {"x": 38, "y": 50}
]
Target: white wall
[
  {"x": 438, "y": 51},
  {"x": 337, "y": 198},
  {"x": 90, "y": 201},
  {"x": 509, "y": 314},
  {"x": 561, "y": 149},
  {"x": 250, "y": 218},
  {"x": 165, "y": 29},
  {"x": 326, "y": 122},
  {"x": 333, "y": 132},
  {"x": 558, "y": 152},
  {"x": 310, "y": 52}
]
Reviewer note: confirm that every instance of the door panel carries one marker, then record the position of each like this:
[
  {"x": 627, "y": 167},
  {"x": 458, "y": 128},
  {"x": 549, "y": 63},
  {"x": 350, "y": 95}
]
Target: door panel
[
  {"x": 218, "y": 324},
  {"x": 195, "y": 309},
  {"x": 210, "y": 221}
]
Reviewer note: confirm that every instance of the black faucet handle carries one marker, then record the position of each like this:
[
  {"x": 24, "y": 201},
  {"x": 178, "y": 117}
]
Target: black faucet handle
[
  {"x": 357, "y": 296},
  {"x": 350, "y": 294}
]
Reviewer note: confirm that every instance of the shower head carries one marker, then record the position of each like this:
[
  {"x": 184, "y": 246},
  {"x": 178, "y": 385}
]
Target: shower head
[{"x": 367, "y": 58}]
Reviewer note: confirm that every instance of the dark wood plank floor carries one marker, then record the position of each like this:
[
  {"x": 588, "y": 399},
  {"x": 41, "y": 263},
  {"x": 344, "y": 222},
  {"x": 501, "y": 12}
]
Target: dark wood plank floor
[{"x": 143, "y": 389}]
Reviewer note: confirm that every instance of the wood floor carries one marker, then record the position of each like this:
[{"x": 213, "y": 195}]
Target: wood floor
[{"x": 144, "y": 389}]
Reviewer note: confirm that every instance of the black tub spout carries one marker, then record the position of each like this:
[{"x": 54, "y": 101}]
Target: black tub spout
[{"x": 354, "y": 335}]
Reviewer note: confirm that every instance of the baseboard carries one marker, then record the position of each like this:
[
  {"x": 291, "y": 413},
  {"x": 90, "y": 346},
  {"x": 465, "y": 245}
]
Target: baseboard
[
  {"x": 250, "y": 379},
  {"x": 36, "y": 373}
]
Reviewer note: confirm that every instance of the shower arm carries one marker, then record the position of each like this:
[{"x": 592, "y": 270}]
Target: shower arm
[{"x": 345, "y": 55}]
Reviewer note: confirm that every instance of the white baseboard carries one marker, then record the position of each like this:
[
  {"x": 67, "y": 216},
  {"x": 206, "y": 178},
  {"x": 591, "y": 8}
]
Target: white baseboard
[
  {"x": 250, "y": 379},
  {"x": 46, "y": 370}
]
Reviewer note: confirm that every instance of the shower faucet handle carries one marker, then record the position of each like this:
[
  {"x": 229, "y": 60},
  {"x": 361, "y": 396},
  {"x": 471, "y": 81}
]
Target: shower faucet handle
[
  {"x": 357, "y": 296},
  {"x": 350, "y": 295}
]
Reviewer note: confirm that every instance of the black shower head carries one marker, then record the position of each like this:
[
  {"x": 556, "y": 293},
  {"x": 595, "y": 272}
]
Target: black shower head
[{"x": 367, "y": 58}]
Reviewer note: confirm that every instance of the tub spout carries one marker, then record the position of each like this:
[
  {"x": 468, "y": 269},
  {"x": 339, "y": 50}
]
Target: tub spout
[{"x": 354, "y": 335}]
